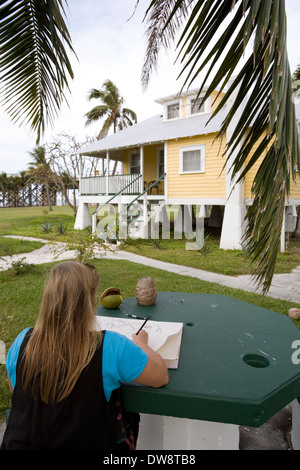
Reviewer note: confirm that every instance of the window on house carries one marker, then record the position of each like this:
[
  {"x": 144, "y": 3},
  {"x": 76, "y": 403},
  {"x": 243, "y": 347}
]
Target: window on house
[
  {"x": 196, "y": 106},
  {"x": 135, "y": 163},
  {"x": 192, "y": 159},
  {"x": 160, "y": 162},
  {"x": 173, "y": 111}
]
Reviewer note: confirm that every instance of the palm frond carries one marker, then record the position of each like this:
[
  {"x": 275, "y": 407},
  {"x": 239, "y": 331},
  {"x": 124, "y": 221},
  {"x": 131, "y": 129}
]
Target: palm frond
[
  {"x": 162, "y": 29},
  {"x": 95, "y": 114},
  {"x": 216, "y": 36},
  {"x": 129, "y": 115},
  {"x": 34, "y": 65},
  {"x": 94, "y": 93},
  {"x": 106, "y": 126}
]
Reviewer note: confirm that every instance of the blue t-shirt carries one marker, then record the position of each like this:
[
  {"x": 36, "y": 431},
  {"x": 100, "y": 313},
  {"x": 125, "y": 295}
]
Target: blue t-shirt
[{"x": 122, "y": 360}]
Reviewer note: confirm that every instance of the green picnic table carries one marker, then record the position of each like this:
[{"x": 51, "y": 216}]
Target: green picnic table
[{"x": 235, "y": 368}]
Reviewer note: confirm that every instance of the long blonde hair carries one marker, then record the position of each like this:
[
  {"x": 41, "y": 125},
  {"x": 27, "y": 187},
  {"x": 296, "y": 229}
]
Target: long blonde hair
[{"x": 63, "y": 340}]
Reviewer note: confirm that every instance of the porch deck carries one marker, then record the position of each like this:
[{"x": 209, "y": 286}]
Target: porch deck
[{"x": 112, "y": 184}]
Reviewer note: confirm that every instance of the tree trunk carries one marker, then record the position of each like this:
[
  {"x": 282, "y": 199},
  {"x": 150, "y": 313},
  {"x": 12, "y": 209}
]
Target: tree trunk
[
  {"x": 48, "y": 197},
  {"x": 68, "y": 202}
]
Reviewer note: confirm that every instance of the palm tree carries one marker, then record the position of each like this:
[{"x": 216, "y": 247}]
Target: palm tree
[
  {"x": 39, "y": 170},
  {"x": 34, "y": 65},
  {"x": 215, "y": 35},
  {"x": 112, "y": 108}
]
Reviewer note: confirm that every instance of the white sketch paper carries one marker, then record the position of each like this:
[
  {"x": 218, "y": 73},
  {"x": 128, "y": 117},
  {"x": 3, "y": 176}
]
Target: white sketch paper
[{"x": 163, "y": 337}]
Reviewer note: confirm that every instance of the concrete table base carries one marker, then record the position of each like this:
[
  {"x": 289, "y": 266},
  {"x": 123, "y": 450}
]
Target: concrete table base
[
  {"x": 169, "y": 433},
  {"x": 296, "y": 425}
]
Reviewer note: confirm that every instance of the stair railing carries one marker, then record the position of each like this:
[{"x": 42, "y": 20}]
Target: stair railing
[{"x": 94, "y": 214}]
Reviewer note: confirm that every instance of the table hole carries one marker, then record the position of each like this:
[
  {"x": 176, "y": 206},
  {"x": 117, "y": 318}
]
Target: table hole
[
  {"x": 255, "y": 360},
  {"x": 189, "y": 324}
]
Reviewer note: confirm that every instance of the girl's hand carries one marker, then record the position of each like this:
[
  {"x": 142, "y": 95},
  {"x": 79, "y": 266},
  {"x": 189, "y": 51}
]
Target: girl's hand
[
  {"x": 155, "y": 373},
  {"x": 141, "y": 339}
]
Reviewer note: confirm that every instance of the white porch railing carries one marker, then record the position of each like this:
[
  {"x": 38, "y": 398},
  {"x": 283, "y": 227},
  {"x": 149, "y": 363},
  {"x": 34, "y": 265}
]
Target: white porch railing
[{"x": 98, "y": 184}]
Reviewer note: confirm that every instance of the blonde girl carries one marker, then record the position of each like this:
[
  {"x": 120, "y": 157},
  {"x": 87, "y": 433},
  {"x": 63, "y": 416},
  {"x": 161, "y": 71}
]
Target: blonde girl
[{"x": 64, "y": 374}]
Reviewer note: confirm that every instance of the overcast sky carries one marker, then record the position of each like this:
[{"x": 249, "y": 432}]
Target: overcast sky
[{"x": 110, "y": 44}]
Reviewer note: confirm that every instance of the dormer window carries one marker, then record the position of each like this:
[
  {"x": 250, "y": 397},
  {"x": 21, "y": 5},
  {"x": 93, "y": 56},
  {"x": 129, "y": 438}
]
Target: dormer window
[
  {"x": 196, "y": 106},
  {"x": 173, "y": 110},
  {"x": 184, "y": 106}
]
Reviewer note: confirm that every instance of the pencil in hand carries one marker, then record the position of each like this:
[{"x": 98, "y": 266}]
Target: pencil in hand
[{"x": 142, "y": 326}]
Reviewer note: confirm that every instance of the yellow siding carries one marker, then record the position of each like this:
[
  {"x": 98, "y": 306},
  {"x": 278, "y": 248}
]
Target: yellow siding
[
  {"x": 210, "y": 184},
  {"x": 214, "y": 100},
  {"x": 295, "y": 189},
  {"x": 125, "y": 162},
  {"x": 251, "y": 173},
  {"x": 184, "y": 110},
  {"x": 150, "y": 163}
]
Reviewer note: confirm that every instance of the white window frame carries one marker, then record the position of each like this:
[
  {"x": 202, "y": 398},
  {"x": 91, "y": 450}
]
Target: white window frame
[
  {"x": 159, "y": 149},
  {"x": 170, "y": 103},
  {"x": 192, "y": 148},
  {"x": 131, "y": 153},
  {"x": 189, "y": 105}
]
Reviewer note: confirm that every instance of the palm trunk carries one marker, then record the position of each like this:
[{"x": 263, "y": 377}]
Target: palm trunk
[{"x": 48, "y": 197}]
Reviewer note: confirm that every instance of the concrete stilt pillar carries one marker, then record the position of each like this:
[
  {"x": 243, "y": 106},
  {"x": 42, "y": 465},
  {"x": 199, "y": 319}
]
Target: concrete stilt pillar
[
  {"x": 188, "y": 220},
  {"x": 233, "y": 227},
  {"x": 83, "y": 218},
  {"x": 203, "y": 211},
  {"x": 178, "y": 223}
]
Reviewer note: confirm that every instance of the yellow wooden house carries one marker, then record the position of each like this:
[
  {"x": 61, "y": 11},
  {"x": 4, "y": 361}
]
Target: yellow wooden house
[{"x": 173, "y": 160}]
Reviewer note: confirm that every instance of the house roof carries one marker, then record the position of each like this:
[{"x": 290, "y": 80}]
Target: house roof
[{"x": 155, "y": 130}]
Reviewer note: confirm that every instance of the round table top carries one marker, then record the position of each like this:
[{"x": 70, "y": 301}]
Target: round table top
[{"x": 235, "y": 363}]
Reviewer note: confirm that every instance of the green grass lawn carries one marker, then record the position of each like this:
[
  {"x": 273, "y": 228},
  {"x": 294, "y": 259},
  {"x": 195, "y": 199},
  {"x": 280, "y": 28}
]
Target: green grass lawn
[
  {"x": 29, "y": 221},
  {"x": 9, "y": 246}
]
